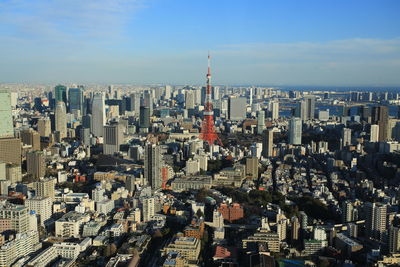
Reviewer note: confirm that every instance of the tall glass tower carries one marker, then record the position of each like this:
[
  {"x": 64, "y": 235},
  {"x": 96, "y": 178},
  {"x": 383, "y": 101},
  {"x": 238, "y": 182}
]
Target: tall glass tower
[{"x": 6, "y": 122}]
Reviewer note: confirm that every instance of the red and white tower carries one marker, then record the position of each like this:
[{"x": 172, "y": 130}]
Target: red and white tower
[{"x": 207, "y": 128}]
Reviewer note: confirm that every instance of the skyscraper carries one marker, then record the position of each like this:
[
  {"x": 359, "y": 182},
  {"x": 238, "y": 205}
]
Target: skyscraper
[
  {"x": 310, "y": 107},
  {"x": 75, "y": 97},
  {"x": 35, "y": 163},
  {"x": 346, "y": 137},
  {"x": 152, "y": 166},
  {"x": 260, "y": 121},
  {"x": 252, "y": 167},
  {"x": 31, "y": 138},
  {"x": 295, "y": 131},
  {"x": 144, "y": 119},
  {"x": 380, "y": 116},
  {"x": 374, "y": 133},
  {"x": 98, "y": 115},
  {"x": 6, "y": 121},
  {"x": 274, "y": 109},
  {"x": 61, "y": 119},
  {"x": 189, "y": 99},
  {"x": 375, "y": 220},
  {"x": 44, "y": 126},
  {"x": 113, "y": 138},
  {"x": 135, "y": 103},
  {"x": 60, "y": 92},
  {"x": 268, "y": 143},
  {"x": 237, "y": 108}
]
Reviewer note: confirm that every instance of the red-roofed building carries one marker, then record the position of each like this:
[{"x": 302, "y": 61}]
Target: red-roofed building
[{"x": 225, "y": 255}]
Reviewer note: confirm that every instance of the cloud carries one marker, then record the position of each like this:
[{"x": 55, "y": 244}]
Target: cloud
[{"x": 56, "y": 20}]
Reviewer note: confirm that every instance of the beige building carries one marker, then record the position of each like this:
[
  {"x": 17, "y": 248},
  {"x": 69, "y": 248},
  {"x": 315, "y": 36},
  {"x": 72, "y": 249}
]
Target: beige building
[
  {"x": 36, "y": 165},
  {"x": 17, "y": 214},
  {"x": 10, "y": 150},
  {"x": 187, "y": 247},
  {"x": 69, "y": 225},
  {"x": 45, "y": 187},
  {"x": 42, "y": 207},
  {"x": 21, "y": 246},
  {"x": 44, "y": 126}
]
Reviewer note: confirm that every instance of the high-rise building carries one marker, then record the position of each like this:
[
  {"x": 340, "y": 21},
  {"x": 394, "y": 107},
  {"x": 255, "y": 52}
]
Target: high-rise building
[
  {"x": 98, "y": 115},
  {"x": 375, "y": 220},
  {"x": 268, "y": 143},
  {"x": 36, "y": 165},
  {"x": 374, "y": 133},
  {"x": 144, "y": 119},
  {"x": 237, "y": 108},
  {"x": 148, "y": 208},
  {"x": 346, "y": 137},
  {"x": 295, "y": 230},
  {"x": 394, "y": 239},
  {"x": 45, "y": 187},
  {"x": 135, "y": 103},
  {"x": 113, "y": 138},
  {"x": 6, "y": 121},
  {"x": 44, "y": 126},
  {"x": 31, "y": 138},
  {"x": 347, "y": 212},
  {"x": 152, "y": 166},
  {"x": 260, "y": 121},
  {"x": 189, "y": 99},
  {"x": 42, "y": 207},
  {"x": 10, "y": 150},
  {"x": 274, "y": 109},
  {"x": 76, "y": 101},
  {"x": 61, "y": 119},
  {"x": 252, "y": 167},
  {"x": 380, "y": 116},
  {"x": 301, "y": 110},
  {"x": 295, "y": 131},
  {"x": 148, "y": 100},
  {"x": 60, "y": 92},
  {"x": 310, "y": 107}
]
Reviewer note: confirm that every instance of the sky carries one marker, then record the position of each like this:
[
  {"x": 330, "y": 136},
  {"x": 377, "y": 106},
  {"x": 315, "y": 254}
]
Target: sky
[{"x": 257, "y": 42}]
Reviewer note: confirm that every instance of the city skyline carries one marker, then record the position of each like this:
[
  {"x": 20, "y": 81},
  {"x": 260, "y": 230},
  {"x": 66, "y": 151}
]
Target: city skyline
[{"x": 343, "y": 43}]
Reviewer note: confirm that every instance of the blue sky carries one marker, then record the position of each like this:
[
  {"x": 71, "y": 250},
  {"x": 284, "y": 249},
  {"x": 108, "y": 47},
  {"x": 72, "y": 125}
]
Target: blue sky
[{"x": 285, "y": 42}]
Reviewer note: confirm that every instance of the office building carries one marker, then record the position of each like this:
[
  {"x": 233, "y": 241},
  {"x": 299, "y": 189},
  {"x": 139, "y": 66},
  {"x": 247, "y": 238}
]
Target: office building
[
  {"x": 237, "y": 108},
  {"x": 36, "y": 165},
  {"x": 75, "y": 99},
  {"x": 188, "y": 247},
  {"x": 380, "y": 116},
  {"x": 10, "y": 150},
  {"x": 374, "y": 133},
  {"x": 31, "y": 138},
  {"x": 135, "y": 103},
  {"x": 346, "y": 137},
  {"x": 295, "y": 131},
  {"x": 45, "y": 187},
  {"x": 98, "y": 115},
  {"x": 13, "y": 173},
  {"x": 144, "y": 119},
  {"x": 61, "y": 119},
  {"x": 152, "y": 166},
  {"x": 310, "y": 107},
  {"x": 6, "y": 121},
  {"x": 60, "y": 92},
  {"x": 189, "y": 99},
  {"x": 268, "y": 143},
  {"x": 113, "y": 138},
  {"x": 252, "y": 168},
  {"x": 274, "y": 109},
  {"x": 375, "y": 220},
  {"x": 260, "y": 122},
  {"x": 44, "y": 126}
]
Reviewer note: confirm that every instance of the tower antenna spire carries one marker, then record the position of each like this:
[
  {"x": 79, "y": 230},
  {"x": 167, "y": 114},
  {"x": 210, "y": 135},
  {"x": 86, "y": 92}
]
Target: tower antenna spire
[{"x": 207, "y": 128}]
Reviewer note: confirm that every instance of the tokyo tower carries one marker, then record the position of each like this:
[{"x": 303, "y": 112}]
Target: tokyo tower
[{"x": 207, "y": 128}]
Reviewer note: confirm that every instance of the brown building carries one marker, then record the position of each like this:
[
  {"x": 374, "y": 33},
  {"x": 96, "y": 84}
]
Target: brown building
[
  {"x": 36, "y": 165},
  {"x": 380, "y": 116},
  {"x": 195, "y": 229},
  {"x": 231, "y": 213},
  {"x": 31, "y": 138},
  {"x": 10, "y": 150}
]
